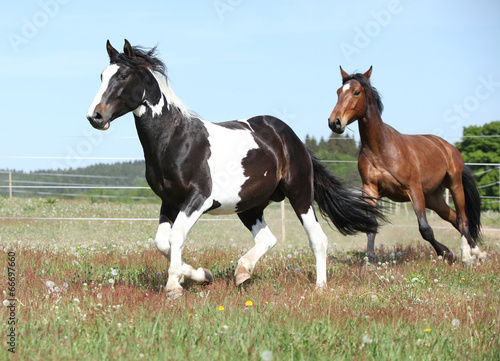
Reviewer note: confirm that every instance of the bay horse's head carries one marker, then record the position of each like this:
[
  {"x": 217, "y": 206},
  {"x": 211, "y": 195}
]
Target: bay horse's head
[
  {"x": 124, "y": 84},
  {"x": 354, "y": 98}
]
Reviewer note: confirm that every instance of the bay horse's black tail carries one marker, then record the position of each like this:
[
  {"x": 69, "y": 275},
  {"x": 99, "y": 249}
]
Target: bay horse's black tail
[
  {"x": 349, "y": 212},
  {"x": 472, "y": 204}
]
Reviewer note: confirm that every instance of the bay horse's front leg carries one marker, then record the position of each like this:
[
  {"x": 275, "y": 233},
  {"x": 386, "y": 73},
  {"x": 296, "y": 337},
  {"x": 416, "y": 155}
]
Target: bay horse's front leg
[
  {"x": 178, "y": 270},
  {"x": 371, "y": 192}
]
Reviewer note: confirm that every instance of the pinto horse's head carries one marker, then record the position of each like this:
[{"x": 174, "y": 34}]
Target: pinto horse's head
[
  {"x": 353, "y": 100},
  {"x": 122, "y": 89}
]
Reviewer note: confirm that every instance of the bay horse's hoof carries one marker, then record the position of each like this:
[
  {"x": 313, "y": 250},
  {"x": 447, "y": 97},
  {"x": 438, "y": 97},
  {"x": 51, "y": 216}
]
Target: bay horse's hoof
[
  {"x": 241, "y": 275},
  {"x": 174, "y": 294},
  {"x": 209, "y": 278}
]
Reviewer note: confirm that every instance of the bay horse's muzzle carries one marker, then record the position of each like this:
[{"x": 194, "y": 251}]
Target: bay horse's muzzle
[{"x": 335, "y": 125}]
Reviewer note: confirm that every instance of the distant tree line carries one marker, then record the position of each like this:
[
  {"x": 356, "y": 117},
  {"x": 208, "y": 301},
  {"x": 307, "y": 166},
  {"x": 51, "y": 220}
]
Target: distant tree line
[{"x": 480, "y": 144}]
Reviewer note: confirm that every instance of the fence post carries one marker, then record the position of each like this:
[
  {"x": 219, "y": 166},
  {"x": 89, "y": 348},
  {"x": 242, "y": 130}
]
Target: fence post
[
  {"x": 283, "y": 230},
  {"x": 10, "y": 185}
]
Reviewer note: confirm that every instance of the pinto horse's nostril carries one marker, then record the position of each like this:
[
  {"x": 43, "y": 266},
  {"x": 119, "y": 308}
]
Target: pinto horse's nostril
[{"x": 97, "y": 116}]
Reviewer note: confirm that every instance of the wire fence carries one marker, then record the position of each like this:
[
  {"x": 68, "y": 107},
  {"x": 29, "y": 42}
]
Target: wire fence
[{"x": 22, "y": 184}]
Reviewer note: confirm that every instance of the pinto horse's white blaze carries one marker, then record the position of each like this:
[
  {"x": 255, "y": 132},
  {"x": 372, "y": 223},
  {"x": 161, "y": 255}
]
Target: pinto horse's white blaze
[
  {"x": 107, "y": 74},
  {"x": 318, "y": 243},
  {"x": 228, "y": 148}
]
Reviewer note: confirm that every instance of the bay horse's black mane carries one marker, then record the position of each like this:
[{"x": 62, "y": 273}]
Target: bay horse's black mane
[
  {"x": 144, "y": 58},
  {"x": 365, "y": 83}
]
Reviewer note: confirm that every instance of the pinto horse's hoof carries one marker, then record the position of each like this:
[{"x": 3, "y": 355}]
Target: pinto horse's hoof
[
  {"x": 209, "y": 278},
  {"x": 449, "y": 258},
  {"x": 174, "y": 294},
  {"x": 241, "y": 275}
]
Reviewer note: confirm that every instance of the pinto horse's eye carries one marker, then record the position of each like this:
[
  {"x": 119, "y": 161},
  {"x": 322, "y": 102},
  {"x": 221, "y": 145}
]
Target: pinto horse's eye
[{"x": 123, "y": 76}]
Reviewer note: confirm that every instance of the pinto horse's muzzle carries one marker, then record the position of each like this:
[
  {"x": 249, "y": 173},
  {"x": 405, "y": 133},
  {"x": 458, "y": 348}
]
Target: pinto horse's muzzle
[{"x": 98, "y": 122}]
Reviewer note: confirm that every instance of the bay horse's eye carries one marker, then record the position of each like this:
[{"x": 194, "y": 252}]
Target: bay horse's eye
[{"x": 357, "y": 92}]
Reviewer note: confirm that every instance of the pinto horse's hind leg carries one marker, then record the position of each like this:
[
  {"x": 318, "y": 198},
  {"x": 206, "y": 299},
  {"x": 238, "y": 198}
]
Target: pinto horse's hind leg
[
  {"x": 253, "y": 219},
  {"x": 318, "y": 243}
]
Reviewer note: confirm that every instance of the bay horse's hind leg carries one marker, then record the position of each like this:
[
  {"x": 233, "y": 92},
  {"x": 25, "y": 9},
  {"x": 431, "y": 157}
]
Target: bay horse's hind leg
[
  {"x": 437, "y": 203},
  {"x": 253, "y": 219},
  {"x": 418, "y": 202}
]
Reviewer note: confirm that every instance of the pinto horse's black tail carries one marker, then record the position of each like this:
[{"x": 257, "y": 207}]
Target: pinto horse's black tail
[
  {"x": 349, "y": 212},
  {"x": 472, "y": 204}
]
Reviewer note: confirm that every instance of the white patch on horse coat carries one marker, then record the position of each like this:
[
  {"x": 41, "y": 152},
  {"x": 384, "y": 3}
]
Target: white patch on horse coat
[
  {"x": 228, "y": 148},
  {"x": 466, "y": 251},
  {"x": 318, "y": 243},
  {"x": 106, "y": 76},
  {"x": 162, "y": 239},
  {"x": 264, "y": 241},
  {"x": 246, "y": 122},
  {"x": 169, "y": 94},
  {"x": 346, "y": 87}
]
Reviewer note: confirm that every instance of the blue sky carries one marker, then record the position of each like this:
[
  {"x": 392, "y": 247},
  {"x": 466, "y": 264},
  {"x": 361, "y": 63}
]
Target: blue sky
[{"x": 436, "y": 64}]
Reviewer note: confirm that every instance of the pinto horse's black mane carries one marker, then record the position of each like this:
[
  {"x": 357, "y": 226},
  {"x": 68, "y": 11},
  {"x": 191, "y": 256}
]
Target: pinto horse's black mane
[
  {"x": 144, "y": 58},
  {"x": 365, "y": 83}
]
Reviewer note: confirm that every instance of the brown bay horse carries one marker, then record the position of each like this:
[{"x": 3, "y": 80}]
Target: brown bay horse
[{"x": 415, "y": 168}]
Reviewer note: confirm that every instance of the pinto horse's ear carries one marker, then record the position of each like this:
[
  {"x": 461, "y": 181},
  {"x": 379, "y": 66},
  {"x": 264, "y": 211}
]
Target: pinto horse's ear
[
  {"x": 112, "y": 52},
  {"x": 343, "y": 73},
  {"x": 128, "y": 50},
  {"x": 368, "y": 74}
]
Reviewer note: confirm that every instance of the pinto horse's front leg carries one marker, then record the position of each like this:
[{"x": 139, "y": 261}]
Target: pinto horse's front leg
[{"x": 179, "y": 271}]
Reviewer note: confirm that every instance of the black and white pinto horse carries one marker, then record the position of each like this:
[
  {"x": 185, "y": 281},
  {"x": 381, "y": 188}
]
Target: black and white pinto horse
[{"x": 196, "y": 166}]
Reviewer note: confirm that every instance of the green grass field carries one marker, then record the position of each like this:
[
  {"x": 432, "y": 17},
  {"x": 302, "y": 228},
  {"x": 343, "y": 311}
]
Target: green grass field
[{"x": 94, "y": 289}]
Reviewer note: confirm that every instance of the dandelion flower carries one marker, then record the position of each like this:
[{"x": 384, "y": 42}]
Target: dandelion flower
[
  {"x": 455, "y": 322},
  {"x": 367, "y": 339},
  {"x": 220, "y": 308},
  {"x": 463, "y": 279},
  {"x": 428, "y": 330},
  {"x": 249, "y": 303},
  {"x": 50, "y": 284},
  {"x": 114, "y": 272},
  {"x": 6, "y": 303},
  {"x": 267, "y": 355},
  {"x": 190, "y": 315},
  {"x": 111, "y": 281}
]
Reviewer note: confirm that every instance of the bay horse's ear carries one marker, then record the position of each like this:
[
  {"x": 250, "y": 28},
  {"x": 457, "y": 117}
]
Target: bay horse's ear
[
  {"x": 343, "y": 73},
  {"x": 112, "y": 52},
  {"x": 127, "y": 49},
  {"x": 368, "y": 74}
]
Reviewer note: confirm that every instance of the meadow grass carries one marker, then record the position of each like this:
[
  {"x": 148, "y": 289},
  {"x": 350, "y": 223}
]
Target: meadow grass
[{"x": 84, "y": 295}]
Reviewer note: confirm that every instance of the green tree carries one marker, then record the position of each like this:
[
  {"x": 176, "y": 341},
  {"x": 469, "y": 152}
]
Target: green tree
[
  {"x": 340, "y": 153},
  {"x": 481, "y": 144}
]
